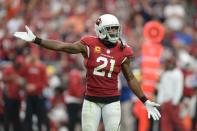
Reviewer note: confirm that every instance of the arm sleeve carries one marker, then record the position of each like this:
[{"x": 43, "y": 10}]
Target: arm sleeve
[
  {"x": 128, "y": 53},
  {"x": 86, "y": 41}
]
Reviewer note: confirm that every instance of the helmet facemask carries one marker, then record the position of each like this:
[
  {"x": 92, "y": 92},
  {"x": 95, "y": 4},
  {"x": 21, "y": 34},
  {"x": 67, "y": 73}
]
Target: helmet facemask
[
  {"x": 112, "y": 33},
  {"x": 107, "y": 28}
]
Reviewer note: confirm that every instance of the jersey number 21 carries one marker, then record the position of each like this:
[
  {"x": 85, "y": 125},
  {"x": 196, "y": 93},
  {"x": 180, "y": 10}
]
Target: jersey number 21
[{"x": 98, "y": 70}]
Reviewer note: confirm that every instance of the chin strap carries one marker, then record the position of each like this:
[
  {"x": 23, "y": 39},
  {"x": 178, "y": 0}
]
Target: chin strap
[
  {"x": 107, "y": 43},
  {"x": 111, "y": 45}
]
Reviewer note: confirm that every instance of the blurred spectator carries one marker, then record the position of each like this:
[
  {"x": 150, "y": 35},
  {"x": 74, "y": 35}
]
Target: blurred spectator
[
  {"x": 12, "y": 7},
  {"x": 12, "y": 98},
  {"x": 15, "y": 23},
  {"x": 170, "y": 91},
  {"x": 73, "y": 98},
  {"x": 189, "y": 81},
  {"x": 57, "y": 113},
  {"x": 137, "y": 25},
  {"x": 54, "y": 81},
  {"x": 7, "y": 48},
  {"x": 174, "y": 13},
  {"x": 189, "y": 99},
  {"x": 36, "y": 80}
]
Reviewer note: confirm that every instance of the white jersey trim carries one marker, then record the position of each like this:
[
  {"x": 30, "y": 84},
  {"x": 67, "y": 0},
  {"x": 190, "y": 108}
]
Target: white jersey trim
[
  {"x": 124, "y": 60},
  {"x": 88, "y": 51}
]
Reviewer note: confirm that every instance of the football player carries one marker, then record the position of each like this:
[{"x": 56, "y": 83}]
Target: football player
[{"x": 105, "y": 56}]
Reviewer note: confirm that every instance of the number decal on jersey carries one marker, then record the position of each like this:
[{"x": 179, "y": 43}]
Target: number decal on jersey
[
  {"x": 112, "y": 64},
  {"x": 98, "y": 70}
]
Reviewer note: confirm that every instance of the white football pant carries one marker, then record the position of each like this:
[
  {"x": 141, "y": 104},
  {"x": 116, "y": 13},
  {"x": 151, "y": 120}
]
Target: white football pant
[{"x": 91, "y": 115}]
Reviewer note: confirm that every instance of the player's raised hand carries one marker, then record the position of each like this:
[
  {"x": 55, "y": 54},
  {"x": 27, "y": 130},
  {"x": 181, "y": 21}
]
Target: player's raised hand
[
  {"x": 27, "y": 36},
  {"x": 152, "y": 110}
]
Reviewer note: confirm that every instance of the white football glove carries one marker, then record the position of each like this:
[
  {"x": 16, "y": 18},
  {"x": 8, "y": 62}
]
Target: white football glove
[
  {"x": 152, "y": 110},
  {"x": 27, "y": 36}
]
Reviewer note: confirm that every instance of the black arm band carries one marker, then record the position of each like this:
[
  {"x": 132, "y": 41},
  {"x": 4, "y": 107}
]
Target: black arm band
[
  {"x": 143, "y": 99},
  {"x": 37, "y": 41}
]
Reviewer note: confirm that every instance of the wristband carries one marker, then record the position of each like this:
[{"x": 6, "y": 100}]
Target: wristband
[
  {"x": 143, "y": 99},
  {"x": 37, "y": 41}
]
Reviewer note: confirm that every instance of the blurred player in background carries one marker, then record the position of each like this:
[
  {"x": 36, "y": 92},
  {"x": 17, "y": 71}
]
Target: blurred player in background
[
  {"x": 35, "y": 75},
  {"x": 105, "y": 56},
  {"x": 73, "y": 98},
  {"x": 12, "y": 96},
  {"x": 170, "y": 91}
]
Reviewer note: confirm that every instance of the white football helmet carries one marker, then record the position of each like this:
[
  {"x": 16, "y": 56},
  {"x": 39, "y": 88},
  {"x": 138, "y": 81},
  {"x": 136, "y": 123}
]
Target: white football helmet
[{"x": 103, "y": 25}]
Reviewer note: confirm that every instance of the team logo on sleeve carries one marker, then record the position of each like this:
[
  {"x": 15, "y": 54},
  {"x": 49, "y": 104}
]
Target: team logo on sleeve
[{"x": 97, "y": 49}]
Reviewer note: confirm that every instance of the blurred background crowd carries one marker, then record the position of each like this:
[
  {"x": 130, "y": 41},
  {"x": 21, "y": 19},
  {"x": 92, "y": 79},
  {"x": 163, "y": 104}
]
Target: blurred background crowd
[{"x": 43, "y": 89}]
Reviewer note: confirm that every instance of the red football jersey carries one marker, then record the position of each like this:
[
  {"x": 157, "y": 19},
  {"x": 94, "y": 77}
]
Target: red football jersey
[
  {"x": 103, "y": 66},
  {"x": 35, "y": 74}
]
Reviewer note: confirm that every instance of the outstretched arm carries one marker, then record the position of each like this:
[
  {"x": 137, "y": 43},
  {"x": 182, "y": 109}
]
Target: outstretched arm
[
  {"x": 131, "y": 80},
  {"x": 135, "y": 87},
  {"x": 72, "y": 48}
]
